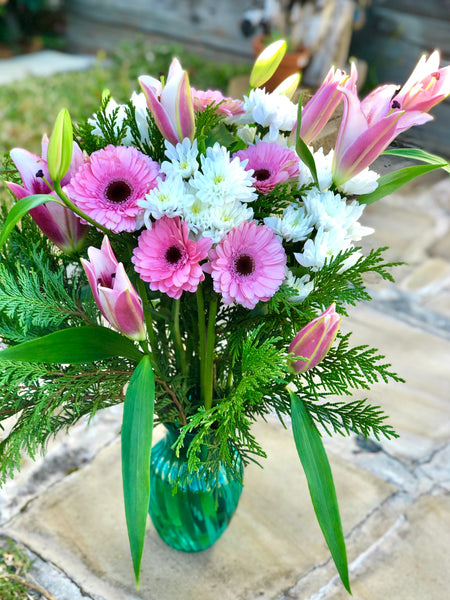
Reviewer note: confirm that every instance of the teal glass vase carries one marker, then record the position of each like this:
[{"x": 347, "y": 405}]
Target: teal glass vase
[{"x": 193, "y": 517}]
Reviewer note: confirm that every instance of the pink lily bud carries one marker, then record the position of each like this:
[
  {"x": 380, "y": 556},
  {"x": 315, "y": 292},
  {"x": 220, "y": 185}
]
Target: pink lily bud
[
  {"x": 320, "y": 108},
  {"x": 57, "y": 222},
  {"x": 113, "y": 291},
  {"x": 313, "y": 342},
  {"x": 171, "y": 105}
]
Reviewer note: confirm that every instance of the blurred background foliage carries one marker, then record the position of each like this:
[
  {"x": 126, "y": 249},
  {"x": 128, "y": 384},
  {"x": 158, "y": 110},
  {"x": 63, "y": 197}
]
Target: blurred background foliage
[{"x": 29, "y": 107}]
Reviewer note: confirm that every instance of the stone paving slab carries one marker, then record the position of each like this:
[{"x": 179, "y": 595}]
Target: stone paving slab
[
  {"x": 273, "y": 539},
  {"x": 410, "y": 563}
]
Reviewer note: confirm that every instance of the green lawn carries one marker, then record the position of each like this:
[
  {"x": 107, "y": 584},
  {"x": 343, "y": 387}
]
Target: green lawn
[{"x": 28, "y": 107}]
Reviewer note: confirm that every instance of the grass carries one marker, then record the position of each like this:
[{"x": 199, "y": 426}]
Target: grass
[
  {"x": 28, "y": 107},
  {"x": 15, "y": 567}
]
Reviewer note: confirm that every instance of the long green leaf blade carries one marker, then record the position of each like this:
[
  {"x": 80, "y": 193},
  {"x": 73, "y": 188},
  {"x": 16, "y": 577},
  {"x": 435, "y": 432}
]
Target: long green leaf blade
[
  {"x": 321, "y": 486},
  {"x": 74, "y": 345},
  {"x": 418, "y": 154},
  {"x": 302, "y": 149},
  {"x": 137, "y": 429},
  {"x": 19, "y": 209},
  {"x": 387, "y": 184}
]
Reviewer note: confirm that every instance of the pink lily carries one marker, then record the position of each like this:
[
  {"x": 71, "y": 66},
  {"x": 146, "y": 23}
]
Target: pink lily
[
  {"x": 171, "y": 105},
  {"x": 364, "y": 133},
  {"x": 427, "y": 85},
  {"x": 319, "y": 109},
  {"x": 57, "y": 222},
  {"x": 113, "y": 291},
  {"x": 313, "y": 342}
]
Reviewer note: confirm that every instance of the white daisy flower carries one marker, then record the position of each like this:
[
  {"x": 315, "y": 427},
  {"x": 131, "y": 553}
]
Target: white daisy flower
[
  {"x": 222, "y": 181},
  {"x": 302, "y": 286},
  {"x": 168, "y": 198},
  {"x": 223, "y": 219},
  {"x": 362, "y": 183},
  {"x": 331, "y": 211},
  {"x": 140, "y": 103},
  {"x": 294, "y": 226},
  {"x": 182, "y": 157},
  {"x": 323, "y": 167},
  {"x": 246, "y": 134},
  {"x": 273, "y": 110},
  {"x": 198, "y": 215},
  {"x": 325, "y": 245}
]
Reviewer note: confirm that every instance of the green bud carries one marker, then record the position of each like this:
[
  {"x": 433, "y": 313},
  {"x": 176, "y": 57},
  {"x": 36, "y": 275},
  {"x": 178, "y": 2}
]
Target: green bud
[
  {"x": 60, "y": 146},
  {"x": 106, "y": 96},
  {"x": 267, "y": 63},
  {"x": 289, "y": 86}
]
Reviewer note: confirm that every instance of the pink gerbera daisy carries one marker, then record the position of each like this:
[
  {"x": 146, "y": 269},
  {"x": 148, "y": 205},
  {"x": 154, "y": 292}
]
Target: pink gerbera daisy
[
  {"x": 227, "y": 107},
  {"x": 168, "y": 259},
  {"x": 271, "y": 164},
  {"x": 108, "y": 187},
  {"x": 248, "y": 265}
]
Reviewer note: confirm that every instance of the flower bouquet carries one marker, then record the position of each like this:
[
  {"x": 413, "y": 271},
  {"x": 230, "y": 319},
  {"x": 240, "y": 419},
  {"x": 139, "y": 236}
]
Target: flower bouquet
[{"x": 192, "y": 256}]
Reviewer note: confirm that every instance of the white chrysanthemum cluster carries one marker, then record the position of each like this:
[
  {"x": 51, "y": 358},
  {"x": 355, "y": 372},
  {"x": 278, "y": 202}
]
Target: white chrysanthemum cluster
[
  {"x": 211, "y": 196},
  {"x": 274, "y": 111}
]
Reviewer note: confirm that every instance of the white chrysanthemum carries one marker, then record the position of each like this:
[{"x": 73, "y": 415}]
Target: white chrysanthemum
[
  {"x": 302, "y": 286},
  {"x": 325, "y": 245},
  {"x": 246, "y": 134},
  {"x": 168, "y": 198},
  {"x": 295, "y": 225},
  {"x": 273, "y": 110},
  {"x": 223, "y": 219},
  {"x": 329, "y": 210},
  {"x": 140, "y": 104},
  {"x": 362, "y": 183},
  {"x": 198, "y": 215},
  {"x": 182, "y": 157},
  {"x": 222, "y": 181},
  {"x": 323, "y": 167}
]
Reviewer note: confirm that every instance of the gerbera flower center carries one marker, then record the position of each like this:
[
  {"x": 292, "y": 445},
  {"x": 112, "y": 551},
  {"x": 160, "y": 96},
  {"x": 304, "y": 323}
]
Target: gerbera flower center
[
  {"x": 262, "y": 174},
  {"x": 173, "y": 255},
  {"x": 118, "y": 192},
  {"x": 244, "y": 265}
]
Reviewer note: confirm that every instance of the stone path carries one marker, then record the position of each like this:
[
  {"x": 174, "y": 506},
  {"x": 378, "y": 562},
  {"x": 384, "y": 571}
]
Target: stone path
[{"x": 66, "y": 509}]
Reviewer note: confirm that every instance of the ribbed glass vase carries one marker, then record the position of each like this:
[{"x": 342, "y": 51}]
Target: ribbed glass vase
[{"x": 196, "y": 515}]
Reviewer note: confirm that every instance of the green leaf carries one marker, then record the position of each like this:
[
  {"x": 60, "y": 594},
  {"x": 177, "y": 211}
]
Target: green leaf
[
  {"x": 302, "y": 149},
  {"x": 387, "y": 184},
  {"x": 137, "y": 429},
  {"x": 321, "y": 486},
  {"x": 19, "y": 209},
  {"x": 418, "y": 154},
  {"x": 73, "y": 345}
]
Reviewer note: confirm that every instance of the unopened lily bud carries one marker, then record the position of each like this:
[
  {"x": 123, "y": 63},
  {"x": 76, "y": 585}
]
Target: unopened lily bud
[
  {"x": 113, "y": 291},
  {"x": 267, "y": 63},
  {"x": 313, "y": 342},
  {"x": 60, "y": 146},
  {"x": 289, "y": 86}
]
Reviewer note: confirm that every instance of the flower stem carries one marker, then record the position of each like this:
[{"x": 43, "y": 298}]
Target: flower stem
[
  {"x": 202, "y": 339},
  {"x": 209, "y": 362},
  {"x": 76, "y": 210},
  {"x": 179, "y": 350},
  {"x": 147, "y": 316}
]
